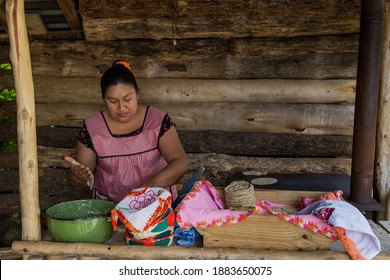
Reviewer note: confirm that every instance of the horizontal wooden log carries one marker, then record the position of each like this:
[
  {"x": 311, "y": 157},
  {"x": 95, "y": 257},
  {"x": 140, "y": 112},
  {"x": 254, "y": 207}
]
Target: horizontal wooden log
[
  {"x": 9, "y": 160},
  {"x": 6, "y": 79},
  {"x": 344, "y": 9},
  {"x": 323, "y": 57},
  {"x": 171, "y": 252},
  {"x": 195, "y": 19},
  {"x": 72, "y": 90},
  {"x": 10, "y": 203},
  {"x": 220, "y": 142},
  {"x": 266, "y": 144},
  {"x": 220, "y": 170},
  {"x": 8, "y": 110},
  {"x": 54, "y": 186},
  {"x": 218, "y": 166},
  {"x": 222, "y": 27},
  {"x": 99, "y": 52},
  {"x": 217, "y": 163},
  {"x": 9, "y": 180},
  {"x": 245, "y": 117},
  {"x": 7, "y": 254},
  {"x": 4, "y": 38}
]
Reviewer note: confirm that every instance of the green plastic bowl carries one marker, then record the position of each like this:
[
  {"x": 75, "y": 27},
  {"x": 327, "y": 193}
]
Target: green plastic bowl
[{"x": 80, "y": 221}]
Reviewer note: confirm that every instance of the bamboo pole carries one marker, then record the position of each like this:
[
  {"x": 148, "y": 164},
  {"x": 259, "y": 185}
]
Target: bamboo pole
[
  {"x": 126, "y": 252},
  {"x": 26, "y": 127},
  {"x": 383, "y": 134}
]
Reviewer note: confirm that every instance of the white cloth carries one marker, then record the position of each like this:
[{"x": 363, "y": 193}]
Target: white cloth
[
  {"x": 348, "y": 217},
  {"x": 140, "y": 206}
]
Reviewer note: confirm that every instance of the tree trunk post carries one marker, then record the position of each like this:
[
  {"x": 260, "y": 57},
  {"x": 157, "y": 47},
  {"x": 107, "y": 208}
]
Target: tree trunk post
[{"x": 26, "y": 126}]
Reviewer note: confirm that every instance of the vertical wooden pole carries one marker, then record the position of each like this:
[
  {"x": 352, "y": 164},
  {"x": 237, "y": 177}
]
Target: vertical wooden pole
[
  {"x": 366, "y": 102},
  {"x": 26, "y": 127},
  {"x": 383, "y": 135}
]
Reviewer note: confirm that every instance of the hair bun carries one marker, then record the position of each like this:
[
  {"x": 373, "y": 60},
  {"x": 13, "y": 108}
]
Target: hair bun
[{"x": 123, "y": 63}]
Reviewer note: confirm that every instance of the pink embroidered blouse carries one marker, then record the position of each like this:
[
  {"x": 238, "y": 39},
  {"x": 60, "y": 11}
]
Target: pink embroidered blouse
[{"x": 124, "y": 162}]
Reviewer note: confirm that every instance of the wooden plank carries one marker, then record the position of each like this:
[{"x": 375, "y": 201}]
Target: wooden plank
[
  {"x": 6, "y": 252},
  {"x": 70, "y": 13},
  {"x": 385, "y": 225},
  {"x": 27, "y": 146},
  {"x": 9, "y": 160},
  {"x": 324, "y": 57},
  {"x": 193, "y": 8},
  {"x": 72, "y": 90},
  {"x": 126, "y": 252},
  {"x": 279, "y": 196},
  {"x": 220, "y": 163},
  {"x": 220, "y": 142},
  {"x": 217, "y": 165},
  {"x": 4, "y": 38},
  {"x": 35, "y": 24},
  {"x": 9, "y": 181},
  {"x": 8, "y": 109},
  {"x": 6, "y": 78},
  {"x": 221, "y": 169},
  {"x": 261, "y": 117},
  {"x": 4, "y": 55},
  {"x": 203, "y": 27},
  {"x": 11, "y": 203},
  {"x": 251, "y": 47},
  {"x": 214, "y": 19},
  {"x": 266, "y": 144},
  {"x": 266, "y": 232}
]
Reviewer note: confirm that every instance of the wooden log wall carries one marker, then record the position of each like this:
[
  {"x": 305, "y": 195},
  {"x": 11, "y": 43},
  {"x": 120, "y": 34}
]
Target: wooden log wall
[{"x": 256, "y": 85}]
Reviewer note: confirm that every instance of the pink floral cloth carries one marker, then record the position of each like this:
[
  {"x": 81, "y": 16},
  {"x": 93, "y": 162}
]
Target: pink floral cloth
[{"x": 203, "y": 207}]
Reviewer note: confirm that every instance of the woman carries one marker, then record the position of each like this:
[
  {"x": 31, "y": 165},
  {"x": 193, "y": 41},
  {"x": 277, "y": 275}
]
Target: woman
[{"x": 128, "y": 145}]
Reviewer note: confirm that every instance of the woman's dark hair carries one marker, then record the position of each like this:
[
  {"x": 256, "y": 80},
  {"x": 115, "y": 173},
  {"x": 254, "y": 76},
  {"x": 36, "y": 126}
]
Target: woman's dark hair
[{"x": 118, "y": 73}]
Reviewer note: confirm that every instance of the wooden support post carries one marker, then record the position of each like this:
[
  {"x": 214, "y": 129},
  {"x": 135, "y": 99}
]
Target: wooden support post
[
  {"x": 383, "y": 133},
  {"x": 366, "y": 102},
  {"x": 26, "y": 127}
]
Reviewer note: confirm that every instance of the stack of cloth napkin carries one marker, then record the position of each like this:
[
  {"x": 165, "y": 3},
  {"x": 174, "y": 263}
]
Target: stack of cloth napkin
[{"x": 147, "y": 215}]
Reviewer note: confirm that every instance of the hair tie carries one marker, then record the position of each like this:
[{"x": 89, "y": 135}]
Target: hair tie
[{"x": 123, "y": 63}]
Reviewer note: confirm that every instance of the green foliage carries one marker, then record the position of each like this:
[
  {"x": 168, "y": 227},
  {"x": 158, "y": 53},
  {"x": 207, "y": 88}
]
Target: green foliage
[
  {"x": 7, "y": 119},
  {"x": 5, "y": 66},
  {"x": 7, "y": 95},
  {"x": 8, "y": 147}
]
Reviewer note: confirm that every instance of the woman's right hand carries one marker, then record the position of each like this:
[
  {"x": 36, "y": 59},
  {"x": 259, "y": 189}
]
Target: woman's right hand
[{"x": 81, "y": 172}]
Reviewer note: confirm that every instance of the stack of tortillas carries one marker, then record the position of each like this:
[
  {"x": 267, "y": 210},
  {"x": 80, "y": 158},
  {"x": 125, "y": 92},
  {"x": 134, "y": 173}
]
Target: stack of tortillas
[{"x": 240, "y": 196}]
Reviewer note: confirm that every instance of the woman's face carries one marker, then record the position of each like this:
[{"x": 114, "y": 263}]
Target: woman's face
[{"x": 121, "y": 102}]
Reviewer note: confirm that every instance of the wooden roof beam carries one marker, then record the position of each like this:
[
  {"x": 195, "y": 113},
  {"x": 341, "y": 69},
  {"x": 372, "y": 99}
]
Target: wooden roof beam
[
  {"x": 35, "y": 24},
  {"x": 70, "y": 13}
]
